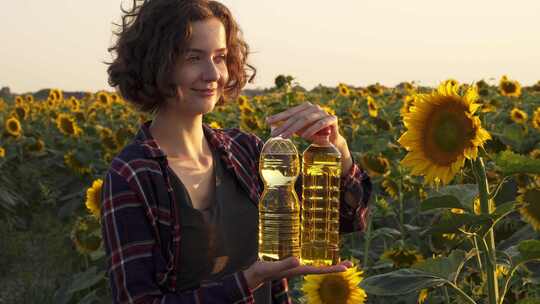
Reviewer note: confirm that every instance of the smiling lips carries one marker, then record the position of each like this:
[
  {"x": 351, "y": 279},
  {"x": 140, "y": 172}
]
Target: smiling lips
[{"x": 206, "y": 92}]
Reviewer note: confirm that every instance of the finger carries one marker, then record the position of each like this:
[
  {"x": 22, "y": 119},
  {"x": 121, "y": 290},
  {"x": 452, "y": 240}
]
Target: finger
[
  {"x": 346, "y": 263},
  {"x": 319, "y": 125},
  {"x": 284, "y": 265},
  {"x": 289, "y": 112},
  {"x": 292, "y": 120},
  {"x": 305, "y": 270},
  {"x": 304, "y": 121}
]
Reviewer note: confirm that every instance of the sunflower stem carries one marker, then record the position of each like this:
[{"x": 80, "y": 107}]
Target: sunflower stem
[
  {"x": 367, "y": 238},
  {"x": 401, "y": 211},
  {"x": 475, "y": 241},
  {"x": 489, "y": 240}
]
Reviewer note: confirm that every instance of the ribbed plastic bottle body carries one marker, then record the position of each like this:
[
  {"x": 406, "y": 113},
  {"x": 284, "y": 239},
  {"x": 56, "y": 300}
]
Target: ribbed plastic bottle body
[
  {"x": 321, "y": 171},
  {"x": 279, "y": 207}
]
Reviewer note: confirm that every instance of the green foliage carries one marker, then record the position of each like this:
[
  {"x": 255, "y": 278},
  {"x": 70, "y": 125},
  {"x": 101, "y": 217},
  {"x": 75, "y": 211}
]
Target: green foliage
[{"x": 512, "y": 163}]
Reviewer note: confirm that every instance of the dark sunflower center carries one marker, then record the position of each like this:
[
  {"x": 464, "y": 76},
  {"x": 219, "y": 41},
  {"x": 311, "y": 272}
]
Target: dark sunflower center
[
  {"x": 448, "y": 131},
  {"x": 508, "y": 87},
  {"x": 518, "y": 116},
  {"x": 13, "y": 126},
  {"x": 67, "y": 125},
  {"x": 334, "y": 289}
]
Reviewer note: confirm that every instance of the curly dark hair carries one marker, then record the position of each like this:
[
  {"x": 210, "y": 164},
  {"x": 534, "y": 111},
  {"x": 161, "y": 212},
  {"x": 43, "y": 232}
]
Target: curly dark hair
[{"x": 153, "y": 34}]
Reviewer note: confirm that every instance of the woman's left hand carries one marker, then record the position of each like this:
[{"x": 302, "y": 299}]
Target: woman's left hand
[{"x": 305, "y": 120}]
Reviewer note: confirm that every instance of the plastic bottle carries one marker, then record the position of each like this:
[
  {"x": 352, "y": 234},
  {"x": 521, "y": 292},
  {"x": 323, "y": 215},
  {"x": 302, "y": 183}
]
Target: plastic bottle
[
  {"x": 279, "y": 207},
  {"x": 321, "y": 172}
]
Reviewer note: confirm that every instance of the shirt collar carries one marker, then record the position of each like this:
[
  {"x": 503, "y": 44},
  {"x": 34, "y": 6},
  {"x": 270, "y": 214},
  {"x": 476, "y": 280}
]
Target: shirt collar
[{"x": 217, "y": 139}]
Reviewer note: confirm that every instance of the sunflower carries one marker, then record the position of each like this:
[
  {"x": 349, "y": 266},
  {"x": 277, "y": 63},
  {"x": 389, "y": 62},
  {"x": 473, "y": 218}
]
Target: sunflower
[
  {"x": 71, "y": 161},
  {"x": 375, "y": 89},
  {"x": 376, "y": 165},
  {"x": 488, "y": 107},
  {"x": 29, "y": 98},
  {"x": 38, "y": 146},
  {"x": 509, "y": 88},
  {"x": 328, "y": 110},
  {"x": 501, "y": 270},
  {"x": 3, "y": 105},
  {"x": 85, "y": 235},
  {"x": 529, "y": 197},
  {"x": 67, "y": 125},
  {"x": 123, "y": 134},
  {"x": 442, "y": 132},
  {"x": 249, "y": 122},
  {"x": 535, "y": 154},
  {"x": 93, "y": 198},
  {"x": 110, "y": 143},
  {"x": 335, "y": 288},
  {"x": 422, "y": 296},
  {"x": 13, "y": 127},
  {"x": 408, "y": 87},
  {"x": 19, "y": 100},
  {"x": 55, "y": 95},
  {"x": 242, "y": 101},
  {"x": 22, "y": 111},
  {"x": 391, "y": 188},
  {"x": 518, "y": 116},
  {"x": 372, "y": 106},
  {"x": 402, "y": 257},
  {"x": 215, "y": 125},
  {"x": 245, "y": 106},
  {"x": 51, "y": 103},
  {"x": 2, "y": 152},
  {"x": 343, "y": 90},
  {"x": 103, "y": 98},
  {"x": 536, "y": 119},
  {"x": 79, "y": 116},
  {"x": 74, "y": 104},
  {"x": 408, "y": 102}
]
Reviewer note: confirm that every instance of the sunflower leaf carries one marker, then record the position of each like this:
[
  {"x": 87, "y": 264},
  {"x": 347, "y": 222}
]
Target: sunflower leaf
[
  {"x": 444, "y": 267},
  {"x": 443, "y": 201},
  {"x": 511, "y": 163},
  {"x": 529, "y": 249},
  {"x": 452, "y": 223},
  {"x": 465, "y": 193},
  {"x": 399, "y": 282}
]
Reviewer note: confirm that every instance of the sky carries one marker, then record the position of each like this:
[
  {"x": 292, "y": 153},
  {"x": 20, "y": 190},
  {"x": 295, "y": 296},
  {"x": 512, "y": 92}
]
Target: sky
[{"x": 63, "y": 43}]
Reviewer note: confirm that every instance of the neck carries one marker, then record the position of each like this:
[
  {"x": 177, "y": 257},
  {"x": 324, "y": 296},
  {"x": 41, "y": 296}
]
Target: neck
[{"x": 180, "y": 136}]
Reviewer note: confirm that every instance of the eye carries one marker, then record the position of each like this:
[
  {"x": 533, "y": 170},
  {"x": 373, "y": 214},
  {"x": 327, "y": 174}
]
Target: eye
[
  {"x": 192, "y": 58},
  {"x": 221, "y": 57}
]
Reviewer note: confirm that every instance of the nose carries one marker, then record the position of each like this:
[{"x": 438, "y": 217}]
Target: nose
[{"x": 211, "y": 72}]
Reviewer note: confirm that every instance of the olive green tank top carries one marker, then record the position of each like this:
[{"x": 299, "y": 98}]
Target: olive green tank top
[{"x": 221, "y": 239}]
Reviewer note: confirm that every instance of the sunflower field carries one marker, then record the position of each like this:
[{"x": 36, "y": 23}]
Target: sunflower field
[{"x": 454, "y": 215}]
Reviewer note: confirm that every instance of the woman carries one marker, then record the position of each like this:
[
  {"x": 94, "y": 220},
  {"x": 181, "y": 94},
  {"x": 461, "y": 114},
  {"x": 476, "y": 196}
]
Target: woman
[{"x": 179, "y": 209}]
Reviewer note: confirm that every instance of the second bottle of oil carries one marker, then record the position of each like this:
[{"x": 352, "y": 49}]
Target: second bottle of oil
[{"x": 319, "y": 231}]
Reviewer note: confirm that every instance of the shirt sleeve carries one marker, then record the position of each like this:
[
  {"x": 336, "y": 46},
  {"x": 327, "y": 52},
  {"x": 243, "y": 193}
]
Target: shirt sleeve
[{"x": 133, "y": 255}]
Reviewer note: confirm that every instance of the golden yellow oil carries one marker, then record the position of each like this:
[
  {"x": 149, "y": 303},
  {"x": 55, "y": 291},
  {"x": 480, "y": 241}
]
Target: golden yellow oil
[
  {"x": 321, "y": 171},
  {"x": 279, "y": 207}
]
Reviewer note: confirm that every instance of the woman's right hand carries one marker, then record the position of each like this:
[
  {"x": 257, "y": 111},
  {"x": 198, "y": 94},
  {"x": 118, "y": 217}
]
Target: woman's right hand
[{"x": 262, "y": 271}]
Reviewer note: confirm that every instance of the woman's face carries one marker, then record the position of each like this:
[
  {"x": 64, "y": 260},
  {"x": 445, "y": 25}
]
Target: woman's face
[{"x": 201, "y": 73}]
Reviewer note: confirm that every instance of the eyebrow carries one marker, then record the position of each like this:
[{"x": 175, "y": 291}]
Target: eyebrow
[{"x": 203, "y": 51}]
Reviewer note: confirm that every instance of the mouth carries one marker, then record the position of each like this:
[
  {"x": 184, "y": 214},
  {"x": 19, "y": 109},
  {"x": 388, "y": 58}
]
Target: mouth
[{"x": 206, "y": 92}]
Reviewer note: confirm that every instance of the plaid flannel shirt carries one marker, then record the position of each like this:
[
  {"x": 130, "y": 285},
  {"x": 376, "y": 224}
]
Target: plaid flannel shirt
[{"x": 142, "y": 234}]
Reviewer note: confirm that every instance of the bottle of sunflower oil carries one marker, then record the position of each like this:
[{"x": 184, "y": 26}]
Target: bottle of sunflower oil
[
  {"x": 279, "y": 207},
  {"x": 321, "y": 171}
]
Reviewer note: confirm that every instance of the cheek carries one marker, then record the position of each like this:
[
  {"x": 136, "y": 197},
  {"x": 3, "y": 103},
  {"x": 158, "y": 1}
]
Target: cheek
[{"x": 224, "y": 72}]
